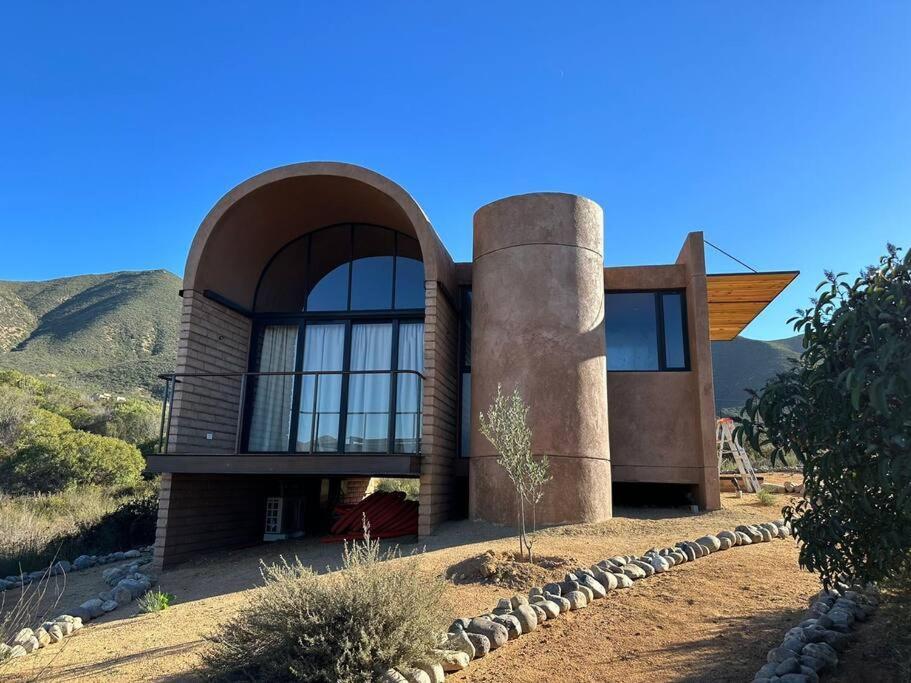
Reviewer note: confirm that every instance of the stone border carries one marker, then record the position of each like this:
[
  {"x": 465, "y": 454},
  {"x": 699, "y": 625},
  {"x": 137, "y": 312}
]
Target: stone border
[
  {"x": 64, "y": 567},
  {"x": 127, "y": 583},
  {"x": 473, "y": 637},
  {"x": 811, "y": 648}
]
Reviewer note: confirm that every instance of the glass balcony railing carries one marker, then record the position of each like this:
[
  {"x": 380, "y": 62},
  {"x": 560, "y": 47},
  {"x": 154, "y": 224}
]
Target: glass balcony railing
[{"x": 302, "y": 412}]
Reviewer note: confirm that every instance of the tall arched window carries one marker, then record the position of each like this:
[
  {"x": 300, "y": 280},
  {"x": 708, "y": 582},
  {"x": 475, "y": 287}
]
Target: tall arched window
[{"x": 342, "y": 308}]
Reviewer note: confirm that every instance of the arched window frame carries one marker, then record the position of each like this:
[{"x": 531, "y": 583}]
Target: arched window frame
[{"x": 302, "y": 319}]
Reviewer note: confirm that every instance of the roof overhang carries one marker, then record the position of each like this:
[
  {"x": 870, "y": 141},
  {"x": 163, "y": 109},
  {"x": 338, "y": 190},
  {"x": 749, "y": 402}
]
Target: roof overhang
[{"x": 735, "y": 299}]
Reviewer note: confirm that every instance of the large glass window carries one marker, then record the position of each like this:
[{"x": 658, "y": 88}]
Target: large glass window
[
  {"x": 342, "y": 387},
  {"x": 646, "y": 331},
  {"x": 344, "y": 268},
  {"x": 319, "y": 406},
  {"x": 270, "y": 416},
  {"x": 368, "y": 392}
]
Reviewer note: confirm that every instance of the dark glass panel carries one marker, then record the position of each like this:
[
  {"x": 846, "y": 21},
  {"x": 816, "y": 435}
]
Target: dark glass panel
[
  {"x": 409, "y": 274},
  {"x": 631, "y": 329},
  {"x": 283, "y": 288},
  {"x": 674, "y": 334},
  {"x": 371, "y": 270},
  {"x": 465, "y": 417},
  {"x": 330, "y": 256}
]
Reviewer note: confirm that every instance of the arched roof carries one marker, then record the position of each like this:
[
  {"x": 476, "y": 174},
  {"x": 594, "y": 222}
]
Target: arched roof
[{"x": 255, "y": 219}]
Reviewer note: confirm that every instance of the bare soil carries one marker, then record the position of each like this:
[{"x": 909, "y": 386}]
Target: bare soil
[{"x": 713, "y": 620}]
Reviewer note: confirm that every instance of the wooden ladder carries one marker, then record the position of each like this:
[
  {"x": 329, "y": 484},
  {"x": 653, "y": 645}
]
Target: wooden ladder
[{"x": 728, "y": 445}]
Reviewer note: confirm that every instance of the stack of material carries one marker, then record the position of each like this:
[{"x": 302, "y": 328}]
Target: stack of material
[{"x": 388, "y": 514}]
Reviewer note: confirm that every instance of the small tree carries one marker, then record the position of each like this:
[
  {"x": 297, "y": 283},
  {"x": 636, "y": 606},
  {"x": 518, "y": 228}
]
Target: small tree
[
  {"x": 506, "y": 427},
  {"x": 844, "y": 411}
]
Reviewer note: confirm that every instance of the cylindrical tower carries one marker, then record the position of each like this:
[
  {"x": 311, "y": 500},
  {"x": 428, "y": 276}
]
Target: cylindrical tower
[{"x": 538, "y": 324}]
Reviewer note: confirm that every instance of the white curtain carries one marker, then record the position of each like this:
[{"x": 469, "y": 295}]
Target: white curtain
[
  {"x": 368, "y": 395},
  {"x": 270, "y": 423},
  {"x": 409, "y": 388},
  {"x": 318, "y": 421}
]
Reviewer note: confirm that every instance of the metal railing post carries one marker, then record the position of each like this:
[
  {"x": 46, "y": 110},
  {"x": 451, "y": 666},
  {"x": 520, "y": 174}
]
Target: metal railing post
[
  {"x": 164, "y": 408},
  {"x": 241, "y": 405}
]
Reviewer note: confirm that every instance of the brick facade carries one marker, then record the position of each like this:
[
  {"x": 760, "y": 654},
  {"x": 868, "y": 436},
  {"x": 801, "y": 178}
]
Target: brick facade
[{"x": 440, "y": 407}]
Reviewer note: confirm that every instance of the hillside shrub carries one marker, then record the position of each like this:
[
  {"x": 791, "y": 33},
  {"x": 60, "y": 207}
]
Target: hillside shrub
[
  {"x": 35, "y": 529},
  {"x": 380, "y": 611},
  {"x": 844, "y": 411},
  {"x": 133, "y": 421},
  {"x": 52, "y": 456}
]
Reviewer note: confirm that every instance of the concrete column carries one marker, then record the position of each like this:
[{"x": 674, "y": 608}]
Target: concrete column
[{"x": 538, "y": 324}]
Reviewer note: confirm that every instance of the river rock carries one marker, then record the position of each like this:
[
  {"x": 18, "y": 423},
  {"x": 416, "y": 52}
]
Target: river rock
[
  {"x": 511, "y": 624},
  {"x": 496, "y": 633},
  {"x": 577, "y": 600},
  {"x": 43, "y": 637},
  {"x": 56, "y": 633},
  {"x": 415, "y": 675},
  {"x": 480, "y": 644},
  {"x": 633, "y": 571},
  {"x": 623, "y": 581},
  {"x": 560, "y": 601},
  {"x": 539, "y": 613},
  {"x": 528, "y": 620},
  {"x": 744, "y": 538},
  {"x": 713, "y": 543},
  {"x": 452, "y": 661},
  {"x": 822, "y": 651}
]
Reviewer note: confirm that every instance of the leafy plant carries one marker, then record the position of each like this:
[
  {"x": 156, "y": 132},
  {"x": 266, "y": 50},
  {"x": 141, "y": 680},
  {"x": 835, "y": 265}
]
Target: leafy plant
[
  {"x": 765, "y": 497},
  {"x": 154, "y": 601},
  {"x": 506, "y": 427},
  {"x": 844, "y": 411},
  {"x": 379, "y": 612}
]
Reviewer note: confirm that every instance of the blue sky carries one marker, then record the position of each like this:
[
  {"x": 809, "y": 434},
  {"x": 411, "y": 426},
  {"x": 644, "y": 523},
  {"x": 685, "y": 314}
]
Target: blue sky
[{"x": 783, "y": 130}]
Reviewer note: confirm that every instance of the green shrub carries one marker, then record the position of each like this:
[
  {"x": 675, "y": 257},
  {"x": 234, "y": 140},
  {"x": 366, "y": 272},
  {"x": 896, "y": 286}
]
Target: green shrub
[
  {"x": 380, "y": 611},
  {"x": 765, "y": 497},
  {"x": 52, "y": 456},
  {"x": 410, "y": 487},
  {"x": 155, "y": 601},
  {"x": 36, "y": 529},
  {"x": 844, "y": 412}
]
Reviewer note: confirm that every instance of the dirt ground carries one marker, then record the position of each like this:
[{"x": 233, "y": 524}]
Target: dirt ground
[{"x": 713, "y": 620}]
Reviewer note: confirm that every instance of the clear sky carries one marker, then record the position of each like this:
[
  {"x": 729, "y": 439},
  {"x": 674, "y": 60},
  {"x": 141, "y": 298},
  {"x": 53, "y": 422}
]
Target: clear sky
[{"x": 781, "y": 129}]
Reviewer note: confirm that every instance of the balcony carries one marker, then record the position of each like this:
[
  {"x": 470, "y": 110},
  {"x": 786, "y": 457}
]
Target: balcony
[{"x": 346, "y": 423}]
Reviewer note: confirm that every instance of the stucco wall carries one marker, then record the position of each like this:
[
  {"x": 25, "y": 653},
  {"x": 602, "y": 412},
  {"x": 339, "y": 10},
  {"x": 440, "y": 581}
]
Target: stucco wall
[
  {"x": 538, "y": 324},
  {"x": 662, "y": 424}
]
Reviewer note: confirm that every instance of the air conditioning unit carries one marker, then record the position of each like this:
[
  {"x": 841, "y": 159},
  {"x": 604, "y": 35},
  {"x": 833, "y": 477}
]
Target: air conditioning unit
[{"x": 284, "y": 518}]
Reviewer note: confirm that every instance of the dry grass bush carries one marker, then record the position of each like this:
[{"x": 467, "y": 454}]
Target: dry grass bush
[
  {"x": 380, "y": 611},
  {"x": 27, "y": 608}
]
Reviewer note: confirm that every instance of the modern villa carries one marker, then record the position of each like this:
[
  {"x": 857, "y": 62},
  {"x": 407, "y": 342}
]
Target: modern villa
[{"x": 328, "y": 337}]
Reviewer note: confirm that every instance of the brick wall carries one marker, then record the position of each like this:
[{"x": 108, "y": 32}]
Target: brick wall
[
  {"x": 354, "y": 489},
  {"x": 203, "y": 512},
  {"x": 214, "y": 339},
  {"x": 440, "y": 408}
]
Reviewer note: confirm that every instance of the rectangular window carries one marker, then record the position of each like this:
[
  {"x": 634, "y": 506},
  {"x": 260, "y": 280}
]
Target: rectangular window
[
  {"x": 368, "y": 390},
  {"x": 646, "y": 331}
]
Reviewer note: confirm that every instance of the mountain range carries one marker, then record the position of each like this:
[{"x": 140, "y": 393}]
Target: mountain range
[{"x": 116, "y": 332}]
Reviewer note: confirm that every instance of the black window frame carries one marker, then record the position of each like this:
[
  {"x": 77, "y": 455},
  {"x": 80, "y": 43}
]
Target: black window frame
[
  {"x": 348, "y": 318},
  {"x": 349, "y": 264},
  {"x": 660, "y": 336}
]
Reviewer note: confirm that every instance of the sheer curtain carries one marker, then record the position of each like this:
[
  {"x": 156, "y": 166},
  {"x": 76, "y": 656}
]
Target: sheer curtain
[
  {"x": 270, "y": 422},
  {"x": 368, "y": 395},
  {"x": 409, "y": 388},
  {"x": 321, "y": 395}
]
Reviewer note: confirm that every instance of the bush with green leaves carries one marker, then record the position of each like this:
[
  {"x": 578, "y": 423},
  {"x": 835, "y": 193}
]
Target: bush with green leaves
[
  {"x": 52, "y": 456},
  {"x": 155, "y": 601},
  {"x": 844, "y": 411},
  {"x": 380, "y": 611}
]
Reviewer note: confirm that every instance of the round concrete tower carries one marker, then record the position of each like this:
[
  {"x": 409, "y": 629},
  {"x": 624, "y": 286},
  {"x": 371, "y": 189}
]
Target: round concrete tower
[{"x": 538, "y": 324}]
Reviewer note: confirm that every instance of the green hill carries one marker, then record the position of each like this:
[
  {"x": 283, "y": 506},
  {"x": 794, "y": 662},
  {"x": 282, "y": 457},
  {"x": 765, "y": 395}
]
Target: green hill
[
  {"x": 743, "y": 363},
  {"x": 112, "y": 332}
]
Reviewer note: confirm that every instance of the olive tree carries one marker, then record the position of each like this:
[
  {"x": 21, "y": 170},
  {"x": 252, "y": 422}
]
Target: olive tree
[
  {"x": 844, "y": 411},
  {"x": 506, "y": 427}
]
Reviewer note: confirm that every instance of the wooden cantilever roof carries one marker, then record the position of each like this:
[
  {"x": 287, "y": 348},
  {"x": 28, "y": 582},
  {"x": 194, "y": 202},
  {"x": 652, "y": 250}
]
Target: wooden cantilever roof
[{"x": 735, "y": 299}]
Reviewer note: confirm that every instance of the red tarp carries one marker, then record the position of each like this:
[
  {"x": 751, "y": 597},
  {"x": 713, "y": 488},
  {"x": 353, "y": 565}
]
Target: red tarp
[{"x": 388, "y": 514}]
